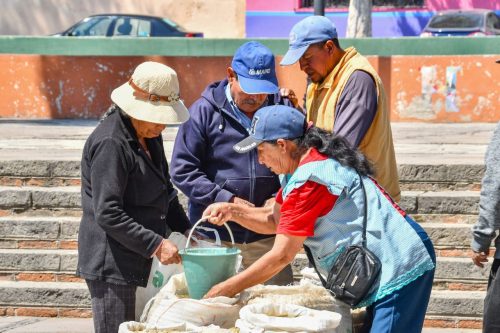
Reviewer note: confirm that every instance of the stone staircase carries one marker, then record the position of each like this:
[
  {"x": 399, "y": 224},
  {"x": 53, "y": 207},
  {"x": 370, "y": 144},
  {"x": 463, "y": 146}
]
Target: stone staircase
[
  {"x": 40, "y": 204},
  {"x": 40, "y": 212},
  {"x": 39, "y": 219}
]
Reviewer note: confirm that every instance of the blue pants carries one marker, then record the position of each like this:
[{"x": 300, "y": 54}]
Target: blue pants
[{"x": 404, "y": 309}]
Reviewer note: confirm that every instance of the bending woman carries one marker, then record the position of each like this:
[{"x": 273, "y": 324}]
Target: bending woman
[{"x": 321, "y": 204}]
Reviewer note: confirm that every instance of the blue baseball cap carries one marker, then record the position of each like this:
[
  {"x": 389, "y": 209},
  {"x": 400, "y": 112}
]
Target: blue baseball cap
[
  {"x": 311, "y": 30},
  {"x": 272, "y": 123},
  {"x": 254, "y": 64}
]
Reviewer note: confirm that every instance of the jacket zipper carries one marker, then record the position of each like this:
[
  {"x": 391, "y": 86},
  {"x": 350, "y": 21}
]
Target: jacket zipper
[{"x": 252, "y": 186}]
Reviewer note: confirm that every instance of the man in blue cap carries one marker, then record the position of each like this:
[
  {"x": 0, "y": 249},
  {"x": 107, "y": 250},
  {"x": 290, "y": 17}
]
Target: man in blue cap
[
  {"x": 346, "y": 95},
  {"x": 207, "y": 169}
]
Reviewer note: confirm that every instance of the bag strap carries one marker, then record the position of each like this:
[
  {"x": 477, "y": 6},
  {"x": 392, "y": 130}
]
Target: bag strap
[
  {"x": 365, "y": 213},
  {"x": 313, "y": 263},
  {"x": 365, "y": 221}
]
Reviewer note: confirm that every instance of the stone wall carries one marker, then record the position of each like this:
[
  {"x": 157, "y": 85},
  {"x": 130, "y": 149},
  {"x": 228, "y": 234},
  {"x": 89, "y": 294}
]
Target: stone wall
[{"x": 460, "y": 88}]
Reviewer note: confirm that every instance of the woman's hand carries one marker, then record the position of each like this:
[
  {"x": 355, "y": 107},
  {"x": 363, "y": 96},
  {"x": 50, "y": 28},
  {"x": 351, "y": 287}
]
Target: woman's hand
[
  {"x": 168, "y": 253},
  {"x": 218, "y": 213},
  {"x": 221, "y": 289}
]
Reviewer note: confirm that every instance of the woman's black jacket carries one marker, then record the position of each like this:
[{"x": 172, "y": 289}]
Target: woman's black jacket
[{"x": 128, "y": 201}]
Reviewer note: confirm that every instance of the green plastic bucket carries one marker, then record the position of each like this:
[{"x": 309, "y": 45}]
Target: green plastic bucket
[{"x": 204, "y": 267}]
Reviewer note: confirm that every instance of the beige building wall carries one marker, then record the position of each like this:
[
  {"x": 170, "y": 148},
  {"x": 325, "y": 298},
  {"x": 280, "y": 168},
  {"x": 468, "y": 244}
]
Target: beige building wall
[{"x": 215, "y": 18}]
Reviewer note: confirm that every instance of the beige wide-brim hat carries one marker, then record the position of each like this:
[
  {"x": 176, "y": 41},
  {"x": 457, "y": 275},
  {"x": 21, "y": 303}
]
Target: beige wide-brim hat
[{"x": 152, "y": 95}]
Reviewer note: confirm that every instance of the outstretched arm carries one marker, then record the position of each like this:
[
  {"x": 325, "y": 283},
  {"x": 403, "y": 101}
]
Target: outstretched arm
[{"x": 262, "y": 220}]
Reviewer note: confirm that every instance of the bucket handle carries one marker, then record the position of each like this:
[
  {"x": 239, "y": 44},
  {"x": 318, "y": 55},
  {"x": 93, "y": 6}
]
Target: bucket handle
[{"x": 204, "y": 220}]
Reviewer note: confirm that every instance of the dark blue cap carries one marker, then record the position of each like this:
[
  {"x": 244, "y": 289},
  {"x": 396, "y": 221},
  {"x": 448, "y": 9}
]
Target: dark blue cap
[
  {"x": 254, "y": 64},
  {"x": 311, "y": 30},
  {"x": 272, "y": 123}
]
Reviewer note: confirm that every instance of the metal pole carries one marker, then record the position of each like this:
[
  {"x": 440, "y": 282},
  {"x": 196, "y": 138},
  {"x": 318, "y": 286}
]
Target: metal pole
[{"x": 319, "y": 7}]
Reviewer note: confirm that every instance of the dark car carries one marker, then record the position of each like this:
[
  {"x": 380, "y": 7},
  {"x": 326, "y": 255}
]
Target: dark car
[
  {"x": 477, "y": 22},
  {"x": 110, "y": 25}
]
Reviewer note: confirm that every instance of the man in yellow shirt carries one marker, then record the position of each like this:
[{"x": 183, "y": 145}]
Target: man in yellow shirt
[{"x": 346, "y": 95}]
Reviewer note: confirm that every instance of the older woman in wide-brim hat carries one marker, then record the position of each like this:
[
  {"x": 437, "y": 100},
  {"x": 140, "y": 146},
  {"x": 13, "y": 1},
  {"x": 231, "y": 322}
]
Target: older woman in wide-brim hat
[{"x": 129, "y": 204}]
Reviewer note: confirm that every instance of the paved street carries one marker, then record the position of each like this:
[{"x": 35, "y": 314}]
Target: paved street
[
  {"x": 74, "y": 325},
  {"x": 414, "y": 142}
]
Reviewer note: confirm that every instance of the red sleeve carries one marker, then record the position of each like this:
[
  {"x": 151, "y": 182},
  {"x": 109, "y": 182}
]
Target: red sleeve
[
  {"x": 302, "y": 207},
  {"x": 279, "y": 196}
]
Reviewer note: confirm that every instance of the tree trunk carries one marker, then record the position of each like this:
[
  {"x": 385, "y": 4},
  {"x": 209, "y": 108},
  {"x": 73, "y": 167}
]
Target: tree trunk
[{"x": 359, "y": 21}]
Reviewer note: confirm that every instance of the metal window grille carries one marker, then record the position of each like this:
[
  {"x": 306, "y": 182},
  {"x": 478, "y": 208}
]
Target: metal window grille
[{"x": 376, "y": 3}]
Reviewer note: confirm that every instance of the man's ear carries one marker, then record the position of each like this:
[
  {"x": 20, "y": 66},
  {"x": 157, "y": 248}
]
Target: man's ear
[
  {"x": 282, "y": 145},
  {"x": 329, "y": 46},
  {"x": 231, "y": 75}
]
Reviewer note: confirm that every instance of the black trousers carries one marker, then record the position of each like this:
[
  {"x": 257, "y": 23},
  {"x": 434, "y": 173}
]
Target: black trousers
[
  {"x": 491, "y": 313},
  {"x": 112, "y": 304}
]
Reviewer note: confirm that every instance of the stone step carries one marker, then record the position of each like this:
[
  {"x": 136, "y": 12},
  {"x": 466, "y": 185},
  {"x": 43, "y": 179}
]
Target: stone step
[
  {"x": 30, "y": 197},
  {"x": 449, "y": 234},
  {"x": 24, "y": 227},
  {"x": 412, "y": 176},
  {"x": 453, "y": 173},
  {"x": 458, "y": 270},
  {"x": 456, "y": 303},
  {"x": 419, "y": 202},
  {"x": 445, "y": 218},
  {"x": 44, "y": 294},
  {"x": 33, "y": 261},
  {"x": 461, "y": 269},
  {"x": 19, "y": 260},
  {"x": 49, "y": 232},
  {"x": 452, "y": 305},
  {"x": 441, "y": 173},
  {"x": 440, "y": 202},
  {"x": 39, "y": 227},
  {"x": 40, "y": 169}
]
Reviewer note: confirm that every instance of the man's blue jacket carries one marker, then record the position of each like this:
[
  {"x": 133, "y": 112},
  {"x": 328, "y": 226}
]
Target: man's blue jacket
[{"x": 206, "y": 168}]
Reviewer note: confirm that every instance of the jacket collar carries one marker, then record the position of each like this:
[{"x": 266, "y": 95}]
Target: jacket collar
[
  {"x": 327, "y": 83},
  {"x": 154, "y": 145}
]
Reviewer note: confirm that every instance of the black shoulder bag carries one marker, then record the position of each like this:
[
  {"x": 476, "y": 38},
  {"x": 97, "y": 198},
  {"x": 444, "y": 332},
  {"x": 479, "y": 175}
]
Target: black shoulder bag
[{"x": 354, "y": 271}]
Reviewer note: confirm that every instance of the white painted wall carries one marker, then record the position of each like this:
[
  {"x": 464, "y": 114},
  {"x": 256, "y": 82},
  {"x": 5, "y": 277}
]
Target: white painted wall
[{"x": 215, "y": 18}]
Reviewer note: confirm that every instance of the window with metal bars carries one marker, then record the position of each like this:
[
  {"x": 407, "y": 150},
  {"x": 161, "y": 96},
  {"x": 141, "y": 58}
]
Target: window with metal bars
[{"x": 376, "y": 3}]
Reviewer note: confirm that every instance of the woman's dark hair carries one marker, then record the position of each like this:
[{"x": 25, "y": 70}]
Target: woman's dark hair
[{"x": 336, "y": 147}]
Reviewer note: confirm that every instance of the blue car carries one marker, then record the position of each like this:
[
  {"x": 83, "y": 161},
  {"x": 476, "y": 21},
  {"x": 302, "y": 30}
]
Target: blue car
[
  {"x": 474, "y": 23},
  {"x": 125, "y": 25}
]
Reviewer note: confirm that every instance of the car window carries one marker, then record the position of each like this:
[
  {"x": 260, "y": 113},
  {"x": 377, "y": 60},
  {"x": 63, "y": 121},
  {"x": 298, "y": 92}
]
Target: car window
[
  {"x": 144, "y": 28},
  {"x": 457, "y": 20},
  {"x": 173, "y": 26},
  {"x": 95, "y": 26},
  {"x": 134, "y": 27},
  {"x": 493, "y": 21},
  {"x": 160, "y": 28}
]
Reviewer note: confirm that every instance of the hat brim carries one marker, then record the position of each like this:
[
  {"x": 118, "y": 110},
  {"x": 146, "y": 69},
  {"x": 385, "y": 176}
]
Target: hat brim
[
  {"x": 246, "y": 145},
  {"x": 165, "y": 113},
  {"x": 254, "y": 86},
  {"x": 293, "y": 55}
]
